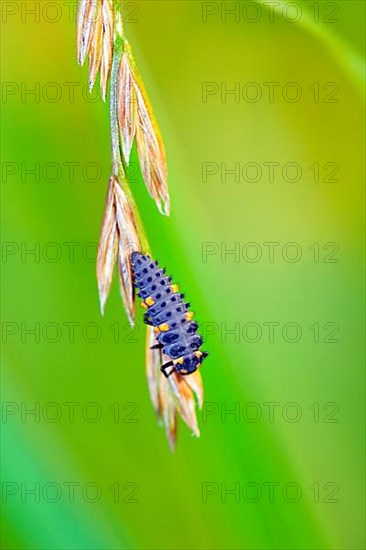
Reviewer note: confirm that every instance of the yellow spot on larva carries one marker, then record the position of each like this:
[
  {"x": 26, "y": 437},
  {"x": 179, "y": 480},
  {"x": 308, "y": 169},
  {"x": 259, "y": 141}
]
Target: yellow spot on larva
[
  {"x": 150, "y": 301},
  {"x": 189, "y": 315},
  {"x": 143, "y": 305},
  {"x": 164, "y": 327},
  {"x": 156, "y": 329},
  {"x": 175, "y": 288},
  {"x": 198, "y": 354},
  {"x": 179, "y": 360}
]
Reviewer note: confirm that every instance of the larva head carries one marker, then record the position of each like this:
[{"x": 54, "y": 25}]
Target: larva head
[{"x": 190, "y": 363}]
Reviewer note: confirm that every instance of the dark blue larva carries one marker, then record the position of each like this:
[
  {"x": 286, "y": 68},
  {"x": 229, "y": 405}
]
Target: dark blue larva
[{"x": 168, "y": 313}]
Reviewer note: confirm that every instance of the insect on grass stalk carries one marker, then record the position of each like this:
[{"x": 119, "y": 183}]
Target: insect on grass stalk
[{"x": 101, "y": 38}]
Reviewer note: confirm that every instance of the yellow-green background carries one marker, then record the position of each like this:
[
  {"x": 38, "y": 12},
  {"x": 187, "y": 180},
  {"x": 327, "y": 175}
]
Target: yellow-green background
[{"x": 176, "y": 52}]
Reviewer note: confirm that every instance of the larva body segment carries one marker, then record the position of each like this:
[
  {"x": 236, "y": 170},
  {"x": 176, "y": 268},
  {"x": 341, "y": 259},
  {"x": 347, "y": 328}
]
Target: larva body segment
[{"x": 167, "y": 311}]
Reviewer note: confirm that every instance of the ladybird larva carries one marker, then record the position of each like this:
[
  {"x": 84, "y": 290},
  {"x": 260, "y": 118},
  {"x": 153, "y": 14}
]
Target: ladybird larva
[{"x": 176, "y": 332}]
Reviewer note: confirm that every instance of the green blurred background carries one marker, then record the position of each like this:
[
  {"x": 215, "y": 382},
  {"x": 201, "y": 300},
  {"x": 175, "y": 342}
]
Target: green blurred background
[{"x": 293, "y": 451}]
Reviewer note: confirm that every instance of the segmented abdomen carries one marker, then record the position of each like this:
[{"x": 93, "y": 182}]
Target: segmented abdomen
[{"x": 168, "y": 312}]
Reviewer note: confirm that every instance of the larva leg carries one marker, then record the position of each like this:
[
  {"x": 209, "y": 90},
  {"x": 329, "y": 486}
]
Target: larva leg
[
  {"x": 164, "y": 367},
  {"x": 147, "y": 320},
  {"x": 157, "y": 346}
]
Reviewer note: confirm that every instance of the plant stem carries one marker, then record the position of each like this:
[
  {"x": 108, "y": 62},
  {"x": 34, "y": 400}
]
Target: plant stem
[{"x": 119, "y": 166}]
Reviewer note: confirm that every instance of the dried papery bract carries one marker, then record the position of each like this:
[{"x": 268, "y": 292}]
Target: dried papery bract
[
  {"x": 136, "y": 120},
  {"x": 95, "y": 24},
  {"x": 173, "y": 395},
  {"x": 96, "y": 45},
  {"x": 126, "y": 97},
  {"x": 194, "y": 381},
  {"x": 128, "y": 240},
  {"x": 185, "y": 401},
  {"x": 152, "y": 159},
  {"x": 160, "y": 392},
  {"x": 154, "y": 360},
  {"x": 168, "y": 411},
  {"x": 107, "y": 50},
  {"x": 108, "y": 246},
  {"x": 85, "y": 24},
  {"x": 119, "y": 237}
]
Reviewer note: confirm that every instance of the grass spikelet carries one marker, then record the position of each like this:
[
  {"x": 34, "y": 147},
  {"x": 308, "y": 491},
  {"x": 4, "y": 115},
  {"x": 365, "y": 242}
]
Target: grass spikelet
[
  {"x": 153, "y": 363},
  {"x": 96, "y": 45},
  {"x": 126, "y": 107},
  {"x": 85, "y": 24},
  {"x": 184, "y": 401},
  {"x": 107, "y": 49},
  {"x": 173, "y": 395},
  {"x": 128, "y": 241},
  {"x": 95, "y": 28},
  {"x": 168, "y": 411},
  {"x": 119, "y": 237},
  {"x": 137, "y": 120},
  {"x": 194, "y": 381},
  {"x": 108, "y": 246}
]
